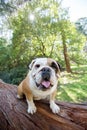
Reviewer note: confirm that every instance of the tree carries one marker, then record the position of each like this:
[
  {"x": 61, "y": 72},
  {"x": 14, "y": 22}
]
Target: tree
[
  {"x": 81, "y": 26},
  {"x": 6, "y": 7},
  {"x": 42, "y": 33},
  {"x": 9, "y": 6},
  {"x": 32, "y": 35},
  {"x": 64, "y": 30}
]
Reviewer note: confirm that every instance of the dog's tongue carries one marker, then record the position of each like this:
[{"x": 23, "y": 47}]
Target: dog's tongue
[{"x": 46, "y": 84}]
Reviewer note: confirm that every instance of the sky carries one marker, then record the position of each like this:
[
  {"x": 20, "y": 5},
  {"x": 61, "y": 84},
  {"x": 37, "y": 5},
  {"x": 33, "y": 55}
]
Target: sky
[{"x": 77, "y": 8}]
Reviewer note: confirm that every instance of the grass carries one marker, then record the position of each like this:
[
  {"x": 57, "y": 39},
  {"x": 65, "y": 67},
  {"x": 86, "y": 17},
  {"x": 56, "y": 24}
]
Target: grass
[{"x": 73, "y": 87}]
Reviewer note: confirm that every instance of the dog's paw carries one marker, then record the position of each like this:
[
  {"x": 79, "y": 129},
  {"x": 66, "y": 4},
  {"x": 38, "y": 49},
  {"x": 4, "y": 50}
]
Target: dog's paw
[
  {"x": 32, "y": 109},
  {"x": 55, "y": 108}
]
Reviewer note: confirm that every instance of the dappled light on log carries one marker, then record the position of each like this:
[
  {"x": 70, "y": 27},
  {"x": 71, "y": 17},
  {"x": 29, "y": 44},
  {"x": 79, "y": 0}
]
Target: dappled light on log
[{"x": 14, "y": 116}]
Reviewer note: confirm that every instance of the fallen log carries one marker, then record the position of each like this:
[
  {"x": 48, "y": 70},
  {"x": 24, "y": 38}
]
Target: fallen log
[{"x": 13, "y": 114}]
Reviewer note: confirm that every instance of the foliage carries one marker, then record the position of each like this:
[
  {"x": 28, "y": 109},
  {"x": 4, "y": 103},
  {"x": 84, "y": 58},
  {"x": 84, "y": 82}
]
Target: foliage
[
  {"x": 43, "y": 33},
  {"x": 6, "y": 6},
  {"x": 81, "y": 25},
  {"x": 30, "y": 36},
  {"x": 40, "y": 36},
  {"x": 14, "y": 75}
]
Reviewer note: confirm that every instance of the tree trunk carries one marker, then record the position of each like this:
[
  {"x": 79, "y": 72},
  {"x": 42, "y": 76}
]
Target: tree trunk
[
  {"x": 14, "y": 116},
  {"x": 66, "y": 57}
]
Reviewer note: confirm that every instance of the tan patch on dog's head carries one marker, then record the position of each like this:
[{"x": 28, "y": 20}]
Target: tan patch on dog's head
[{"x": 52, "y": 63}]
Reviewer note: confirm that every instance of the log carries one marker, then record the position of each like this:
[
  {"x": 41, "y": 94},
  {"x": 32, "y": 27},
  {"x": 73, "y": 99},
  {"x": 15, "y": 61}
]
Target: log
[{"x": 14, "y": 116}]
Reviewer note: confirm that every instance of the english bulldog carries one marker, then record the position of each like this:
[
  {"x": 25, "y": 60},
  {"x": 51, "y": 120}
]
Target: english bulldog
[{"x": 40, "y": 83}]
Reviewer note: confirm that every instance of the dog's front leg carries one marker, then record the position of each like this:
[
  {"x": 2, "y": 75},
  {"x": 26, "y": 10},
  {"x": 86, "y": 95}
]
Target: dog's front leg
[
  {"x": 29, "y": 98},
  {"x": 31, "y": 106},
  {"x": 54, "y": 107}
]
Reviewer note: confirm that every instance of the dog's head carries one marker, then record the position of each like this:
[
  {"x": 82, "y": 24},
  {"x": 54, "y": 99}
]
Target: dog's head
[{"x": 45, "y": 72}]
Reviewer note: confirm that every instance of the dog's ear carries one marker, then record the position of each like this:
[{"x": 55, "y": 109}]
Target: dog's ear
[
  {"x": 59, "y": 66},
  {"x": 56, "y": 67},
  {"x": 59, "y": 69},
  {"x": 31, "y": 64}
]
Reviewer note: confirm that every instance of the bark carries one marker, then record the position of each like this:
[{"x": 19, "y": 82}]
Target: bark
[
  {"x": 14, "y": 116},
  {"x": 67, "y": 61},
  {"x": 66, "y": 56}
]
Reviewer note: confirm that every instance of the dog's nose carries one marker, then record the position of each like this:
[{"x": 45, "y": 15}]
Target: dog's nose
[
  {"x": 46, "y": 69},
  {"x": 46, "y": 74}
]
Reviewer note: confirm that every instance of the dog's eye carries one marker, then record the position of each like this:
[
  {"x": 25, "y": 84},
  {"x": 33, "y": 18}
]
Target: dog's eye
[
  {"x": 37, "y": 66},
  {"x": 54, "y": 66}
]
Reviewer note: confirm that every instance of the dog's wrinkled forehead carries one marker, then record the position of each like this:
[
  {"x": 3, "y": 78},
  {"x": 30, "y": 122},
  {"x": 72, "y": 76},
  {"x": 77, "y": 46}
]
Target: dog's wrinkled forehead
[
  {"x": 44, "y": 62},
  {"x": 38, "y": 62}
]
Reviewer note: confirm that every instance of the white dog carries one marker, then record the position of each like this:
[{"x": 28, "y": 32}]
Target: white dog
[{"x": 41, "y": 82}]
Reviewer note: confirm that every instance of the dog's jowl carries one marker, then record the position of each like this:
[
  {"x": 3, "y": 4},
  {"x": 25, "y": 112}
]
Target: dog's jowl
[{"x": 40, "y": 83}]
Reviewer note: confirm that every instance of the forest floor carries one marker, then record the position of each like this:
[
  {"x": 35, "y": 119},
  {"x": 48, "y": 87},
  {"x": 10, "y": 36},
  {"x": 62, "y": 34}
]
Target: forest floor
[{"x": 73, "y": 87}]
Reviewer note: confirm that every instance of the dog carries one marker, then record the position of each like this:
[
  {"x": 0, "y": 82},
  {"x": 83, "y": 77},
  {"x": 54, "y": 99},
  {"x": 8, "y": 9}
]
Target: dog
[{"x": 40, "y": 83}]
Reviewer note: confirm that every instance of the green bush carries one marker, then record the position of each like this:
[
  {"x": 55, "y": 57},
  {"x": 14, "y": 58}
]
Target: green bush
[{"x": 14, "y": 76}]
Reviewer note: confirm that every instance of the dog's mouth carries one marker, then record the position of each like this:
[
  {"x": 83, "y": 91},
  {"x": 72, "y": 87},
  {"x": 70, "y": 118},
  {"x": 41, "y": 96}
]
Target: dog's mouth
[{"x": 44, "y": 85}]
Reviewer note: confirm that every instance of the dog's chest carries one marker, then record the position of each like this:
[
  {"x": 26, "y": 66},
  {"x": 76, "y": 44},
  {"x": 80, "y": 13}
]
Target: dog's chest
[{"x": 40, "y": 95}]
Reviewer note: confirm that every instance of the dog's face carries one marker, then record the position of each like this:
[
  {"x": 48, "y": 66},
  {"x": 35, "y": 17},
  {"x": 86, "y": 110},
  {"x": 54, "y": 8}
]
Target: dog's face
[{"x": 45, "y": 73}]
